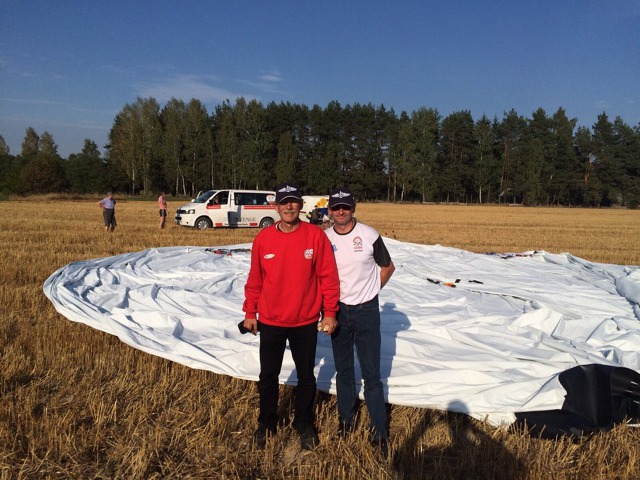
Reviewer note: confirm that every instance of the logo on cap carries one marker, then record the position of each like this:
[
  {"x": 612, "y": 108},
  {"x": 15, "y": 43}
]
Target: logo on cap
[
  {"x": 341, "y": 196},
  {"x": 287, "y": 190}
]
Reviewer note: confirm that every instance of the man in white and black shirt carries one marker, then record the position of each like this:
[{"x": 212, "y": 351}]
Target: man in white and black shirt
[{"x": 364, "y": 267}]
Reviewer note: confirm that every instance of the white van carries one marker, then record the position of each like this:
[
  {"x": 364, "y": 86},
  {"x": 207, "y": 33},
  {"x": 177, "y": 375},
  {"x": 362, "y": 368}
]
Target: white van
[{"x": 229, "y": 208}]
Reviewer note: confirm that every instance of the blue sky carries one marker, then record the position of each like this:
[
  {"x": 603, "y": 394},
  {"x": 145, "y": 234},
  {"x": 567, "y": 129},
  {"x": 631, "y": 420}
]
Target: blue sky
[{"x": 68, "y": 67}]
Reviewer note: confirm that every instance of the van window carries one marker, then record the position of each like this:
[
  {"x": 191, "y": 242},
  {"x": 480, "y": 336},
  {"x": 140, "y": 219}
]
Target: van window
[
  {"x": 261, "y": 198},
  {"x": 222, "y": 198},
  {"x": 250, "y": 198},
  {"x": 203, "y": 197}
]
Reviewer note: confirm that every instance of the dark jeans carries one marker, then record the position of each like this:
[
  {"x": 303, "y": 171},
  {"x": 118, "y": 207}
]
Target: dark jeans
[
  {"x": 302, "y": 342},
  {"x": 359, "y": 326}
]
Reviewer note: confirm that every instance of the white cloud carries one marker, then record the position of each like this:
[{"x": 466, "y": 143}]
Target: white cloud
[
  {"x": 38, "y": 102},
  {"x": 266, "y": 83},
  {"x": 273, "y": 76},
  {"x": 48, "y": 124},
  {"x": 33, "y": 101},
  {"x": 186, "y": 87}
]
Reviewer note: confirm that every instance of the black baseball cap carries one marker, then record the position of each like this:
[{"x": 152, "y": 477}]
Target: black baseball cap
[
  {"x": 341, "y": 196},
  {"x": 286, "y": 191}
]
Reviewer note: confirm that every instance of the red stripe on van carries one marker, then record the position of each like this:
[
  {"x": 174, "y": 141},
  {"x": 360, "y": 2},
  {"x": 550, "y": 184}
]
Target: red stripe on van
[
  {"x": 213, "y": 207},
  {"x": 258, "y": 207}
]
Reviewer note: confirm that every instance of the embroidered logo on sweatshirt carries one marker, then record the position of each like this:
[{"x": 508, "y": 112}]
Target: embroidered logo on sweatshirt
[
  {"x": 269, "y": 256},
  {"x": 308, "y": 253}
]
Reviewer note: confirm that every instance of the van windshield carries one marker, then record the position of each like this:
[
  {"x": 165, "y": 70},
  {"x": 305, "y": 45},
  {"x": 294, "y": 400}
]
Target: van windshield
[{"x": 204, "y": 197}]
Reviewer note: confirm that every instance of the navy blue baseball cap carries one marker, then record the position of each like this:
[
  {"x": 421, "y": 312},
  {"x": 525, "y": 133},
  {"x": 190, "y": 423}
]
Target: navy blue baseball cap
[
  {"x": 341, "y": 196},
  {"x": 286, "y": 191}
]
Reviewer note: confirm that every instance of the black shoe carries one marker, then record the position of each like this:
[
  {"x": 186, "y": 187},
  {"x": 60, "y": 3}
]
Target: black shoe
[
  {"x": 308, "y": 437},
  {"x": 345, "y": 429},
  {"x": 260, "y": 436}
]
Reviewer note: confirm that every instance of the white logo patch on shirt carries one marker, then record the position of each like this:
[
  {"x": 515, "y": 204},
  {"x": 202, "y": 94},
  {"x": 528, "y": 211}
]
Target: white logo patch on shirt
[
  {"x": 308, "y": 253},
  {"x": 357, "y": 244},
  {"x": 269, "y": 256}
]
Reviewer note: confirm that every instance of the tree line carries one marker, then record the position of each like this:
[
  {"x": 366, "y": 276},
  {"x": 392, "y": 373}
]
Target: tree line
[{"x": 420, "y": 156}]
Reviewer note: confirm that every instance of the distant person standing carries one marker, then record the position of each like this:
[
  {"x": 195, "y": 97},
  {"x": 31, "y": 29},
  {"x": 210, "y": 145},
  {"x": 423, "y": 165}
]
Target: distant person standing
[
  {"x": 364, "y": 267},
  {"x": 162, "y": 205},
  {"x": 108, "y": 205}
]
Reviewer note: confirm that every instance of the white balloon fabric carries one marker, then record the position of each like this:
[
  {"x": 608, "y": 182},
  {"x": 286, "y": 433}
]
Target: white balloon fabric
[{"x": 482, "y": 334}]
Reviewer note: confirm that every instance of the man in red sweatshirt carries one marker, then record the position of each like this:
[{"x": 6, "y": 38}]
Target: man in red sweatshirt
[{"x": 293, "y": 282}]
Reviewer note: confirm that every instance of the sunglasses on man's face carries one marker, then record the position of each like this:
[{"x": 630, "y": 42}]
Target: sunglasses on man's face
[{"x": 346, "y": 208}]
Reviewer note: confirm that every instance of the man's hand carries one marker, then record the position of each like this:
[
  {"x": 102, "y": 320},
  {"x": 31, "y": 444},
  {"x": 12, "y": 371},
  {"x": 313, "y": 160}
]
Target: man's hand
[
  {"x": 251, "y": 324},
  {"x": 328, "y": 325}
]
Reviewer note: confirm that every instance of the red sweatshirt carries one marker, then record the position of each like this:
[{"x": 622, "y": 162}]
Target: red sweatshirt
[{"x": 293, "y": 277}]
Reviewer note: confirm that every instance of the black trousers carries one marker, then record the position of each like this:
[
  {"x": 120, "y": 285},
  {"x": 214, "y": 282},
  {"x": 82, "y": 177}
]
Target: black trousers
[{"x": 302, "y": 342}]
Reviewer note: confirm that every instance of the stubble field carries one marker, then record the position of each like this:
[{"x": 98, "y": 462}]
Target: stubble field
[{"x": 78, "y": 403}]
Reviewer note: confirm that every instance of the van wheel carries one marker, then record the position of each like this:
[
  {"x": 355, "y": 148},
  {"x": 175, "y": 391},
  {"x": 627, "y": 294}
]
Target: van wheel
[
  {"x": 202, "y": 223},
  {"x": 266, "y": 222}
]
